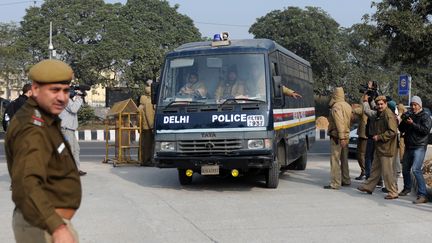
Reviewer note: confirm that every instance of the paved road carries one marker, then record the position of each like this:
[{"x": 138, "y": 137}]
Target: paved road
[{"x": 142, "y": 204}]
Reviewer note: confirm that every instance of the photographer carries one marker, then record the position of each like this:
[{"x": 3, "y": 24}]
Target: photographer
[
  {"x": 416, "y": 125},
  {"x": 69, "y": 123}
]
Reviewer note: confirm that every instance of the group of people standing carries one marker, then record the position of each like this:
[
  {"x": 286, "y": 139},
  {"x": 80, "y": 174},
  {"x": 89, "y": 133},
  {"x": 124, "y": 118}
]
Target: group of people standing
[{"x": 384, "y": 128}]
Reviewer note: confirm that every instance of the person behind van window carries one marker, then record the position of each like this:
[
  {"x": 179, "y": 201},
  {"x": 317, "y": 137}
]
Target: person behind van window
[
  {"x": 291, "y": 93},
  {"x": 194, "y": 87},
  {"x": 231, "y": 87},
  {"x": 15, "y": 105},
  {"x": 338, "y": 131},
  {"x": 416, "y": 126}
]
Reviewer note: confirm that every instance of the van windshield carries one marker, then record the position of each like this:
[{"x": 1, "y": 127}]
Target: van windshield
[{"x": 213, "y": 79}]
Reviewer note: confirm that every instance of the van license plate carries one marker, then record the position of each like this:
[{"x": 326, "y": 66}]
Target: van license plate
[{"x": 210, "y": 170}]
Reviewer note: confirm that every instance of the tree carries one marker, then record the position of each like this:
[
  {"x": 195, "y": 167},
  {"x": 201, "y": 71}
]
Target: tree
[
  {"x": 154, "y": 28},
  {"x": 13, "y": 59},
  {"x": 311, "y": 34},
  {"x": 406, "y": 24},
  {"x": 365, "y": 60},
  {"x": 78, "y": 35},
  {"x": 108, "y": 43}
]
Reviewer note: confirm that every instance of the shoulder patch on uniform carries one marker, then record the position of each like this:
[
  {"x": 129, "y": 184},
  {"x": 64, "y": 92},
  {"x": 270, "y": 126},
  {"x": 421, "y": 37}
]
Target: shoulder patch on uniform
[{"x": 37, "y": 118}]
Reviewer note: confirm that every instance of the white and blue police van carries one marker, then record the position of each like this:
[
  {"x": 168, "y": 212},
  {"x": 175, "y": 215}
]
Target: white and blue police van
[{"x": 215, "y": 132}]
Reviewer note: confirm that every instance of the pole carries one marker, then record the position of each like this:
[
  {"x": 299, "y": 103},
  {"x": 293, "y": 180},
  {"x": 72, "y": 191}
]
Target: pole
[
  {"x": 409, "y": 89},
  {"x": 50, "y": 45}
]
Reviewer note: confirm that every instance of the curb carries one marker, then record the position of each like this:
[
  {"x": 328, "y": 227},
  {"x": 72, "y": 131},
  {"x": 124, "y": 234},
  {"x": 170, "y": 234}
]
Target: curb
[{"x": 100, "y": 135}]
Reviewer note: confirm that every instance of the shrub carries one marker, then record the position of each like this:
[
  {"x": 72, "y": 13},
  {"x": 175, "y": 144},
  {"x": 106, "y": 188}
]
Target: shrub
[{"x": 86, "y": 114}]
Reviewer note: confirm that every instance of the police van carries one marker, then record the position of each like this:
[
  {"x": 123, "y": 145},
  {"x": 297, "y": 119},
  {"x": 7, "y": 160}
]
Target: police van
[{"x": 220, "y": 110}]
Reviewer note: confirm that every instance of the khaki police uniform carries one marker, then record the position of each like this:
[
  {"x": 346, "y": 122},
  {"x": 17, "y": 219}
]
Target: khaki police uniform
[
  {"x": 362, "y": 138},
  {"x": 385, "y": 126},
  {"x": 147, "y": 136},
  {"x": 46, "y": 187},
  {"x": 287, "y": 91},
  {"x": 228, "y": 89},
  {"x": 339, "y": 128}
]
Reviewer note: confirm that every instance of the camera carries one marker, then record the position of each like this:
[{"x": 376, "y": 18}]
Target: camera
[
  {"x": 372, "y": 92},
  {"x": 78, "y": 87},
  {"x": 405, "y": 116}
]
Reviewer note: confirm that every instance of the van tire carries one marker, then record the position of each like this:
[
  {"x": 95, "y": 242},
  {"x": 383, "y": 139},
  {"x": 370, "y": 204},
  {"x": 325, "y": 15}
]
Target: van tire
[
  {"x": 301, "y": 162},
  {"x": 183, "y": 179},
  {"x": 272, "y": 175}
]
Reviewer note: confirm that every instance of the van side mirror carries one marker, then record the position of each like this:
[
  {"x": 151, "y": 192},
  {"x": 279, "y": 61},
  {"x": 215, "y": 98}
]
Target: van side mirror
[
  {"x": 277, "y": 80},
  {"x": 154, "y": 92}
]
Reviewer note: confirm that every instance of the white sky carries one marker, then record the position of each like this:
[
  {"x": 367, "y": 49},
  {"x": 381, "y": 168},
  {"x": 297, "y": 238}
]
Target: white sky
[{"x": 234, "y": 16}]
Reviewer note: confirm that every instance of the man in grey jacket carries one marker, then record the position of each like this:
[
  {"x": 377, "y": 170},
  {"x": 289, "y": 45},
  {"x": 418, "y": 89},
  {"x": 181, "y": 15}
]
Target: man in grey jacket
[{"x": 69, "y": 125}]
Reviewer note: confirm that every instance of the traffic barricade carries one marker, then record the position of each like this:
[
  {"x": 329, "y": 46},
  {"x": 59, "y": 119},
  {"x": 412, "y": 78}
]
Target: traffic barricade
[{"x": 125, "y": 118}]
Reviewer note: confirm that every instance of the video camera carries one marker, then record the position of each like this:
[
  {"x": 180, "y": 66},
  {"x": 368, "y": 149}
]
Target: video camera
[
  {"x": 372, "y": 91},
  {"x": 82, "y": 88},
  {"x": 405, "y": 116}
]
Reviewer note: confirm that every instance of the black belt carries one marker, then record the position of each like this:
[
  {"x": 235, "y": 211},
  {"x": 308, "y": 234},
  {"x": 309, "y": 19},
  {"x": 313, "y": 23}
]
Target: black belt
[{"x": 65, "y": 128}]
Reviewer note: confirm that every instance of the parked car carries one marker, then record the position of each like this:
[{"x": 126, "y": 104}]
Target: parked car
[{"x": 352, "y": 144}]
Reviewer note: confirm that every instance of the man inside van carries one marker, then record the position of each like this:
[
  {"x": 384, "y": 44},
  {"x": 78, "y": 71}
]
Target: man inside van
[{"x": 231, "y": 87}]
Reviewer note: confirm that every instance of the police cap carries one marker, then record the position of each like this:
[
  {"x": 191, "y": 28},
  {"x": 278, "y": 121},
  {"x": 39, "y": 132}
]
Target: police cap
[{"x": 51, "y": 71}]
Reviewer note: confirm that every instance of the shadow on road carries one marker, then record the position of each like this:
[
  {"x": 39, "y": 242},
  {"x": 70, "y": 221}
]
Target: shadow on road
[{"x": 168, "y": 178}]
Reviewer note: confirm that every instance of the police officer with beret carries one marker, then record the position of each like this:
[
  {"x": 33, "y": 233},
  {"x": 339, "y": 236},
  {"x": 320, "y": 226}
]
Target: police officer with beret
[{"x": 46, "y": 186}]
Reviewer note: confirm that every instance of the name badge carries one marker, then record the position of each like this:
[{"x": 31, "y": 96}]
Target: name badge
[{"x": 60, "y": 148}]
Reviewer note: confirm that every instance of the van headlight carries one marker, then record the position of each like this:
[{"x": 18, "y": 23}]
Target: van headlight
[
  {"x": 255, "y": 144},
  {"x": 167, "y": 146}
]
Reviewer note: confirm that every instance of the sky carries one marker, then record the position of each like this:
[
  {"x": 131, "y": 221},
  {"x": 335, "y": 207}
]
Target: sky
[{"x": 234, "y": 16}]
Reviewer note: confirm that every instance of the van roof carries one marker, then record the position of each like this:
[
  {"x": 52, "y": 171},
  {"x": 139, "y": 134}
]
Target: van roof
[{"x": 236, "y": 45}]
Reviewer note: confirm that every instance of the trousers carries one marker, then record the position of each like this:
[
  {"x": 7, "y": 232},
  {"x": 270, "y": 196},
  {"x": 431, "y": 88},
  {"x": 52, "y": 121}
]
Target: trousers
[
  {"x": 382, "y": 165},
  {"x": 25, "y": 232},
  {"x": 339, "y": 173},
  {"x": 74, "y": 145}
]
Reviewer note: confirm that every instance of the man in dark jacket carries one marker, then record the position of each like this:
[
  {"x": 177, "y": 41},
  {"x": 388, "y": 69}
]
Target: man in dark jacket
[
  {"x": 14, "y": 106},
  {"x": 416, "y": 126}
]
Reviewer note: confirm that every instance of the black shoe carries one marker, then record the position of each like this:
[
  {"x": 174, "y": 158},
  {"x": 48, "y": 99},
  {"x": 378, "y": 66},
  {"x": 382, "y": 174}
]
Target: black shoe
[
  {"x": 330, "y": 187},
  {"x": 404, "y": 192},
  {"x": 384, "y": 190},
  {"x": 360, "y": 177},
  {"x": 82, "y": 173},
  {"x": 346, "y": 184}
]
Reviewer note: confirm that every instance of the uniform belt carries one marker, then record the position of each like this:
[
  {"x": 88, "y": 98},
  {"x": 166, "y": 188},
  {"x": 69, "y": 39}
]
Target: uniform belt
[
  {"x": 66, "y": 213},
  {"x": 65, "y": 128}
]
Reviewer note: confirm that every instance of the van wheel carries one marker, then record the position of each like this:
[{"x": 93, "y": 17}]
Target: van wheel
[
  {"x": 301, "y": 162},
  {"x": 272, "y": 175},
  {"x": 183, "y": 179}
]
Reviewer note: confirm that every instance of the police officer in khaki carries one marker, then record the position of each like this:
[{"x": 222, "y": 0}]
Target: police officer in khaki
[
  {"x": 362, "y": 140},
  {"x": 46, "y": 186},
  {"x": 147, "y": 136},
  {"x": 338, "y": 130},
  {"x": 385, "y": 138}
]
